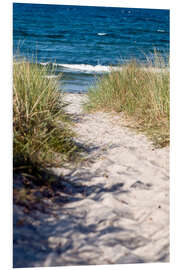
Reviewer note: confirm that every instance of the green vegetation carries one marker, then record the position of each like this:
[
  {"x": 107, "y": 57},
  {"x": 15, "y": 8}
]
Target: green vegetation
[
  {"x": 42, "y": 137},
  {"x": 142, "y": 93}
]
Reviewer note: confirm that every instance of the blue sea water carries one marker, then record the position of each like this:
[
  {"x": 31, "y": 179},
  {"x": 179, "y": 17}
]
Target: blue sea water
[{"x": 82, "y": 42}]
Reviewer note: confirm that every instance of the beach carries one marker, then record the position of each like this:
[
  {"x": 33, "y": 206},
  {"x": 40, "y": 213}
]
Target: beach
[
  {"x": 90, "y": 183},
  {"x": 116, "y": 203}
]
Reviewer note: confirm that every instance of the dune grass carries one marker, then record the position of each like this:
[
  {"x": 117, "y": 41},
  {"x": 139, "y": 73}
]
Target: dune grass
[
  {"x": 141, "y": 92},
  {"x": 42, "y": 137}
]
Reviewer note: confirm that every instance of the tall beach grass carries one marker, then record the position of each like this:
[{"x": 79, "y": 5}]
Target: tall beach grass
[
  {"x": 41, "y": 134},
  {"x": 141, "y": 92}
]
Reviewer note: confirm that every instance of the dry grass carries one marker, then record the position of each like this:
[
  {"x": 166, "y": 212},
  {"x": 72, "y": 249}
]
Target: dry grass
[
  {"x": 42, "y": 137},
  {"x": 141, "y": 92}
]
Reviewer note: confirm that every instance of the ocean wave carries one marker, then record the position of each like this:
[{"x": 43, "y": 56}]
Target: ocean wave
[
  {"x": 51, "y": 76},
  {"x": 93, "y": 69},
  {"x": 46, "y": 63},
  {"x": 102, "y": 34},
  {"x": 85, "y": 68},
  {"x": 161, "y": 30}
]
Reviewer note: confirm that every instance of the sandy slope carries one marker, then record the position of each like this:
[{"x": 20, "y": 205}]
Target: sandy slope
[{"x": 120, "y": 210}]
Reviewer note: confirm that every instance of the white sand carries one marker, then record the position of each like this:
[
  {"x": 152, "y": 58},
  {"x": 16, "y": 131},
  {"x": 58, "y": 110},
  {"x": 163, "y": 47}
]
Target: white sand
[
  {"x": 120, "y": 155},
  {"x": 123, "y": 214}
]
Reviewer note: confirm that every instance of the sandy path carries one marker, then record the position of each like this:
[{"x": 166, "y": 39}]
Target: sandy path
[{"x": 121, "y": 213}]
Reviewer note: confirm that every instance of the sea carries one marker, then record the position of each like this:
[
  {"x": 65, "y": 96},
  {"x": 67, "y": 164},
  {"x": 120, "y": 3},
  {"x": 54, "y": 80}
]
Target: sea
[{"x": 83, "y": 42}]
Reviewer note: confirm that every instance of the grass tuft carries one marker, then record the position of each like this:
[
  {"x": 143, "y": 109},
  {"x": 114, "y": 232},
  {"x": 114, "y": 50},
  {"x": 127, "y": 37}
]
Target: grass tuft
[
  {"x": 42, "y": 136},
  {"x": 141, "y": 92}
]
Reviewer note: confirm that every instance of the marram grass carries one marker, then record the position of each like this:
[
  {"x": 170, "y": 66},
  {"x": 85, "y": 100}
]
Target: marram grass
[
  {"x": 142, "y": 93},
  {"x": 41, "y": 134}
]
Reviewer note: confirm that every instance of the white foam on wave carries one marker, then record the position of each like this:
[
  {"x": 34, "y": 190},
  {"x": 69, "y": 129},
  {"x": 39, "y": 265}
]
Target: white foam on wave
[
  {"x": 83, "y": 67},
  {"x": 51, "y": 76},
  {"x": 87, "y": 68},
  {"x": 44, "y": 64},
  {"x": 101, "y": 34},
  {"x": 161, "y": 30},
  {"x": 98, "y": 68}
]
